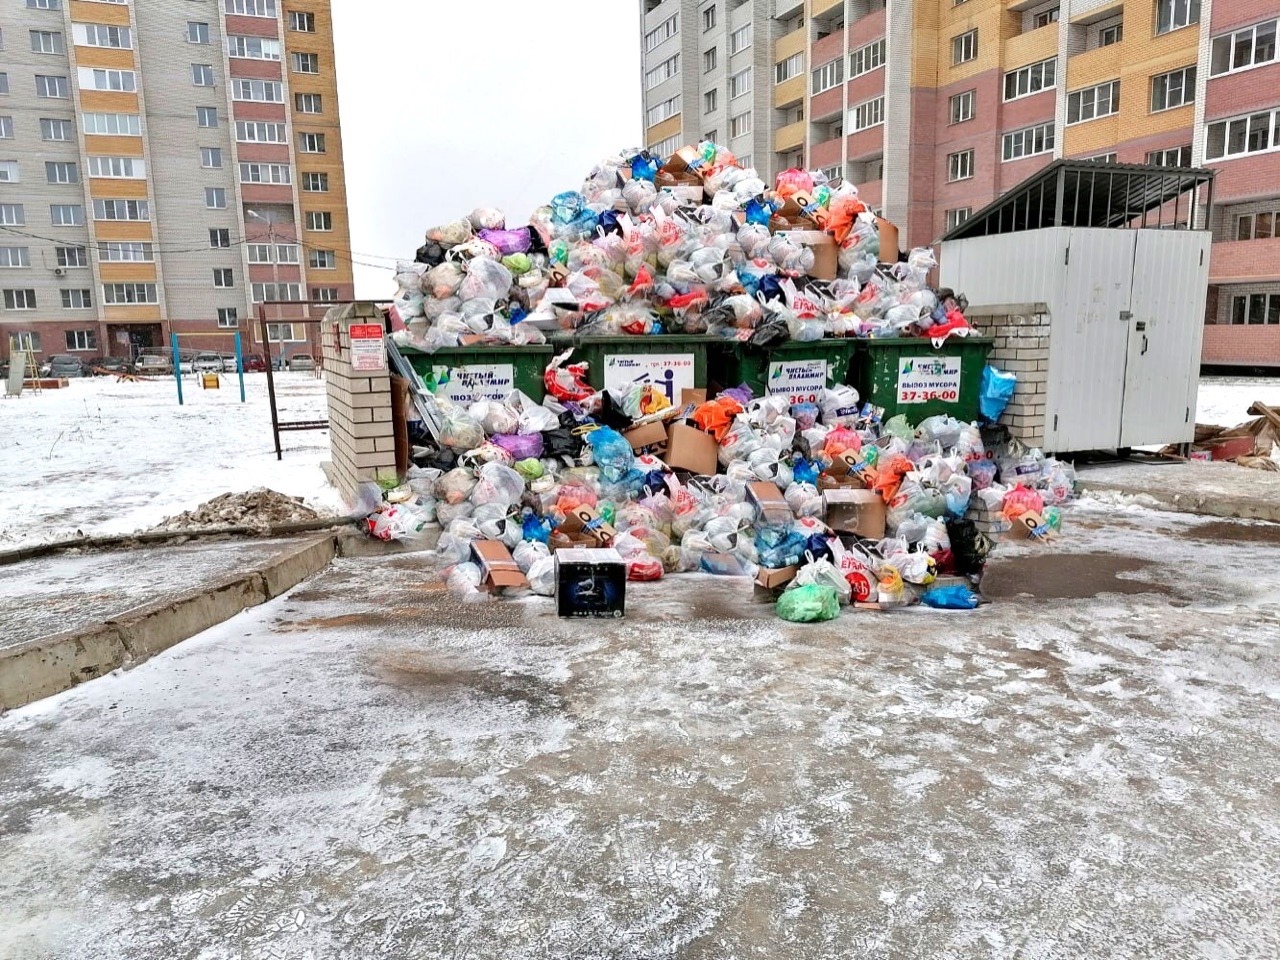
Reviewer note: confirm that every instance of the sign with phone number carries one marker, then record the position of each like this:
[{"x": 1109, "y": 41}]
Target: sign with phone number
[
  {"x": 922, "y": 379},
  {"x": 800, "y": 381}
]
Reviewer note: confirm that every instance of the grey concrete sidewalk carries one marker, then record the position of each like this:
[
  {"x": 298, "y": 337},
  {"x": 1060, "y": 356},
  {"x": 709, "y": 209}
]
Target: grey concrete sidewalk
[{"x": 1209, "y": 489}]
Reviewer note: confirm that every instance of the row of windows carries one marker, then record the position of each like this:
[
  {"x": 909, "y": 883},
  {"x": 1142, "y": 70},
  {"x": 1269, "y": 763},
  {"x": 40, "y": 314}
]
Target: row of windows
[
  {"x": 1255, "y": 308},
  {"x": 112, "y": 293},
  {"x": 126, "y": 81},
  {"x": 72, "y": 214}
]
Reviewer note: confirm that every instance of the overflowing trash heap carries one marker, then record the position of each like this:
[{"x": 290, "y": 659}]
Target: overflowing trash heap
[{"x": 824, "y": 503}]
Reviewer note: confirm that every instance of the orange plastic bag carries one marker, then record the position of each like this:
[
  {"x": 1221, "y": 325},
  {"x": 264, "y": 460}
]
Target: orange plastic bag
[
  {"x": 888, "y": 476},
  {"x": 844, "y": 211},
  {"x": 716, "y": 416}
]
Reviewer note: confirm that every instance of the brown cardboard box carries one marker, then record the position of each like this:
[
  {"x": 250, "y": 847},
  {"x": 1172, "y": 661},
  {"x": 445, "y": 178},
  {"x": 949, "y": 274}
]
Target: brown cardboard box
[
  {"x": 689, "y": 395},
  {"x": 846, "y": 481},
  {"x": 826, "y": 252},
  {"x": 647, "y": 435},
  {"x": 686, "y": 160},
  {"x": 688, "y": 448},
  {"x": 586, "y": 521},
  {"x": 860, "y": 512},
  {"x": 495, "y": 561},
  {"x": 771, "y": 581},
  {"x": 888, "y": 241},
  {"x": 569, "y": 541},
  {"x": 769, "y": 501},
  {"x": 841, "y": 469}
]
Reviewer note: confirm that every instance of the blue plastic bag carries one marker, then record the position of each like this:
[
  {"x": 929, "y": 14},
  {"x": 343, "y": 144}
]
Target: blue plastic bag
[
  {"x": 612, "y": 453},
  {"x": 957, "y": 597},
  {"x": 535, "y": 528},
  {"x": 997, "y": 391}
]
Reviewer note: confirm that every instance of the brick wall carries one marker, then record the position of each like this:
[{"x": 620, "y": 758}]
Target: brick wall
[
  {"x": 361, "y": 438},
  {"x": 1021, "y": 334},
  {"x": 1254, "y": 346}
]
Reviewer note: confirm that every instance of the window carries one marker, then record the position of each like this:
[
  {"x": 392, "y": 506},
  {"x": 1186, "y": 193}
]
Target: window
[
  {"x": 15, "y": 257},
  {"x": 92, "y": 78},
  {"x": 962, "y": 107},
  {"x": 661, "y": 111},
  {"x": 1251, "y": 47},
  {"x": 202, "y": 74},
  {"x": 251, "y": 8},
  {"x": 959, "y": 166},
  {"x": 319, "y": 220},
  {"x": 325, "y": 294},
  {"x": 306, "y": 63},
  {"x": 256, "y": 131},
  {"x": 228, "y": 317},
  {"x": 308, "y": 103},
  {"x": 710, "y": 101},
  {"x": 1258, "y": 226},
  {"x": 1111, "y": 34},
  {"x": 740, "y": 83},
  {"x": 47, "y": 41},
  {"x": 1173, "y": 14},
  {"x": 211, "y": 158},
  {"x": 119, "y": 293},
  {"x": 1093, "y": 102},
  {"x": 4, "y": 84},
  {"x": 71, "y": 256},
  {"x": 215, "y": 198},
  {"x": 1173, "y": 89},
  {"x": 1240, "y": 136},
  {"x": 222, "y": 277},
  {"x": 6, "y": 128},
  {"x": 266, "y": 173},
  {"x": 102, "y": 35},
  {"x": 740, "y": 125},
  {"x": 740, "y": 39},
  {"x": 302, "y": 22},
  {"x": 1028, "y": 142},
  {"x": 44, "y": 4},
  {"x": 55, "y": 129},
  {"x": 1102, "y": 158},
  {"x": 1044, "y": 18},
  {"x": 869, "y": 114},
  {"x": 259, "y": 253},
  {"x": 315, "y": 182},
  {"x": 258, "y": 91},
  {"x": 9, "y": 171},
  {"x": 126, "y": 251},
  {"x": 206, "y": 116},
  {"x": 964, "y": 47},
  {"x": 59, "y": 171},
  {"x": 287, "y": 253},
  {"x": 54, "y": 88},
  {"x": 197, "y": 32},
  {"x": 958, "y": 216},
  {"x": 280, "y": 332},
  {"x": 113, "y": 124},
  {"x": 121, "y": 210},
  {"x": 830, "y": 74},
  {"x": 713, "y": 136},
  {"x": 253, "y": 48},
  {"x": 79, "y": 339},
  {"x": 67, "y": 214},
  {"x": 793, "y": 66},
  {"x": 323, "y": 260},
  {"x": 667, "y": 29},
  {"x": 709, "y": 18},
  {"x": 1030, "y": 79},
  {"x": 1255, "y": 308},
  {"x": 311, "y": 143},
  {"x": 709, "y": 59},
  {"x": 12, "y": 215},
  {"x": 667, "y": 69},
  {"x": 77, "y": 300},
  {"x": 118, "y": 168},
  {"x": 19, "y": 299},
  {"x": 219, "y": 238},
  {"x": 262, "y": 292}
]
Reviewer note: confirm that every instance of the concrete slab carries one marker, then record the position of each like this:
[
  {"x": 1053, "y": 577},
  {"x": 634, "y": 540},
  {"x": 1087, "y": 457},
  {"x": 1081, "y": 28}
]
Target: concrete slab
[{"x": 1208, "y": 489}]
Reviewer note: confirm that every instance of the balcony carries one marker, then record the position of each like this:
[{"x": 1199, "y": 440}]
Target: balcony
[
  {"x": 794, "y": 42},
  {"x": 1095, "y": 66},
  {"x": 1250, "y": 345},
  {"x": 790, "y": 92},
  {"x": 789, "y": 137},
  {"x": 1032, "y": 47},
  {"x": 822, "y": 6},
  {"x": 1245, "y": 261},
  {"x": 825, "y": 105},
  {"x": 825, "y": 154},
  {"x": 785, "y": 8}
]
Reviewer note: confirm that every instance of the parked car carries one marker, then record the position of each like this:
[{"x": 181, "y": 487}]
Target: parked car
[
  {"x": 64, "y": 365},
  {"x": 113, "y": 365},
  {"x": 253, "y": 363},
  {"x": 229, "y": 364},
  {"x": 206, "y": 363},
  {"x": 302, "y": 361},
  {"x": 185, "y": 365},
  {"x": 150, "y": 365}
]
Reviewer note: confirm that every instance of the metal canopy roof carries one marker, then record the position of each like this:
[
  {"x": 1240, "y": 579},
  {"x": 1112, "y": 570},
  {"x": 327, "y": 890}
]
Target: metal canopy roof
[{"x": 1083, "y": 193}]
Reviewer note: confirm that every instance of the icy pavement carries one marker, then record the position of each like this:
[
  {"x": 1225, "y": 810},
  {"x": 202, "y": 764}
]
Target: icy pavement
[
  {"x": 367, "y": 768},
  {"x": 1225, "y": 401},
  {"x": 105, "y": 457}
]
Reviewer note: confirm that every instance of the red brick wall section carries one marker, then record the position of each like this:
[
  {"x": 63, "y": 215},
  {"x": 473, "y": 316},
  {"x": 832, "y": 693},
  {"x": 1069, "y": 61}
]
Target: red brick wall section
[
  {"x": 1229, "y": 14},
  {"x": 870, "y": 27},
  {"x": 1026, "y": 111},
  {"x": 866, "y": 87},
  {"x": 1246, "y": 178},
  {"x": 1236, "y": 93},
  {"x": 826, "y": 105},
  {"x": 1242, "y": 345},
  {"x": 1238, "y": 260},
  {"x": 871, "y": 193},
  {"x": 825, "y": 154}
]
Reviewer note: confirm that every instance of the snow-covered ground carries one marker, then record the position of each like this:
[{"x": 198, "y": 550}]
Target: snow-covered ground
[
  {"x": 1225, "y": 401},
  {"x": 105, "y": 457}
]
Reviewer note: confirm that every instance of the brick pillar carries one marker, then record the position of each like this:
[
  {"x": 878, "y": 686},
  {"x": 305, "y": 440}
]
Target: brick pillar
[
  {"x": 361, "y": 437},
  {"x": 1021, "y": 334}
]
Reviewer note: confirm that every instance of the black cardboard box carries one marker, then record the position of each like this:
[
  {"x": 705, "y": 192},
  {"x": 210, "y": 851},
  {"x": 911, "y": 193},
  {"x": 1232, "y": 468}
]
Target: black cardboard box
[{"x": 590, "y": 583}]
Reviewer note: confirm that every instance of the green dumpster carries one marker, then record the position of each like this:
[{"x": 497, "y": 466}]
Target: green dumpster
[
  {"x": 796, "y": 369},
  {"x": 908, "y": 376},
  {"x": 672, "y": 361},
  {"x": 483, "y": 371}
]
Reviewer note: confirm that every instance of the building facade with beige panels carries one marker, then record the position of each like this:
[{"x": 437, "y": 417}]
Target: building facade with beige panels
[
  {"x": 935, "y": 108},
  {"x": 165, "y": 166}
]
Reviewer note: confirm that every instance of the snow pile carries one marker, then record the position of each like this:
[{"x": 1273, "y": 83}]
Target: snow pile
[{"x": 260, "y": 509}]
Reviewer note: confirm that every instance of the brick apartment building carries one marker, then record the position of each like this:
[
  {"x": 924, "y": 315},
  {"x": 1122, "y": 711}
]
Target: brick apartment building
[
  {"x": 936, "y": 107},
  {"x": 165, "y": 165}
]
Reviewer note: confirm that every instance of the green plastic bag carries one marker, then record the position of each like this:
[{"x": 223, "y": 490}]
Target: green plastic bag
[
  {"x": 899, "y": 427},
  {"x": 811, "y": 603}
]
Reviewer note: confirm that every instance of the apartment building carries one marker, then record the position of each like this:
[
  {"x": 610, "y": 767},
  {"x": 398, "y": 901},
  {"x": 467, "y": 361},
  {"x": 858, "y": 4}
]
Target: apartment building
[
  {"x": 165, "y": 166},
  {"x": 935, "y": 107}
]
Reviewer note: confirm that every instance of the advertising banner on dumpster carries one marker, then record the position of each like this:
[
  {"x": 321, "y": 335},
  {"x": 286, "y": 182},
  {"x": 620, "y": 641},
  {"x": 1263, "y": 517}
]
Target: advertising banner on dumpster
[
  {"x": 801, "y": 380},
  {"x": 473, "y": 382},
  {"x": 669, "y": 372},
  {"x": 921, "y": 379}
]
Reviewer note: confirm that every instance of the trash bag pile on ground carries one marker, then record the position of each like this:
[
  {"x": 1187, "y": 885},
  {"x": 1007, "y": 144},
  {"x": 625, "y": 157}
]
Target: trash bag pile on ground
[{"x": 694, "y": 244}]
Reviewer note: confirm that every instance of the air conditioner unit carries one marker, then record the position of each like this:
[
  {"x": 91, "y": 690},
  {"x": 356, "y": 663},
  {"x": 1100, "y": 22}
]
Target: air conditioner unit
[{"x": 59, "y": 271}]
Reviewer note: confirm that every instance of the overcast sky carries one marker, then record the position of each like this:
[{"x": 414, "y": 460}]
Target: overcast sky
[{"x": 447, "y": 106}]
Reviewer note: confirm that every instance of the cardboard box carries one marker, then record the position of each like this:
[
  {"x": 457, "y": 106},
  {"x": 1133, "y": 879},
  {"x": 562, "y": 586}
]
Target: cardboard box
[
  {"x": 688, "y": 448},
  {"x": 686, "y": 160},
  {"x": 826, "y": 252},
  {"x": 690, "y": 395},
  {"x": 888, "y": 241},
  {"x": 860, "y": 512},
  {"x": 585, "y": 521},
  {"x": 569, "y": 541},
  {"x": 652, "y": 434},
  {"x": 495, "y": 561},
  {"x": 590, "y": 583},
  {"x": 769, "y": 502},
  {"x": 771, "y": 581}
]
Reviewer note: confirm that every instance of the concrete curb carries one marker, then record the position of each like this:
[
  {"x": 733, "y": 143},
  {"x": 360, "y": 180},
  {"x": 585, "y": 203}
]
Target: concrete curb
[
  {"x": 42, "y": 668},
  {"x": 1226, "y": 507}
]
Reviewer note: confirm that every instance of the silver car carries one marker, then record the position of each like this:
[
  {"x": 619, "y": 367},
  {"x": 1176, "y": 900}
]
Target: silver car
[
  {"x": 206, "y": 363},
  {"x": 302, "y": 361},
  {"x": 151, "y": 365}
]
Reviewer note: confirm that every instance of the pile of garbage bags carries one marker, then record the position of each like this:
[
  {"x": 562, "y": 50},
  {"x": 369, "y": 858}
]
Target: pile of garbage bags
[{"x": 694, "y": 244}]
